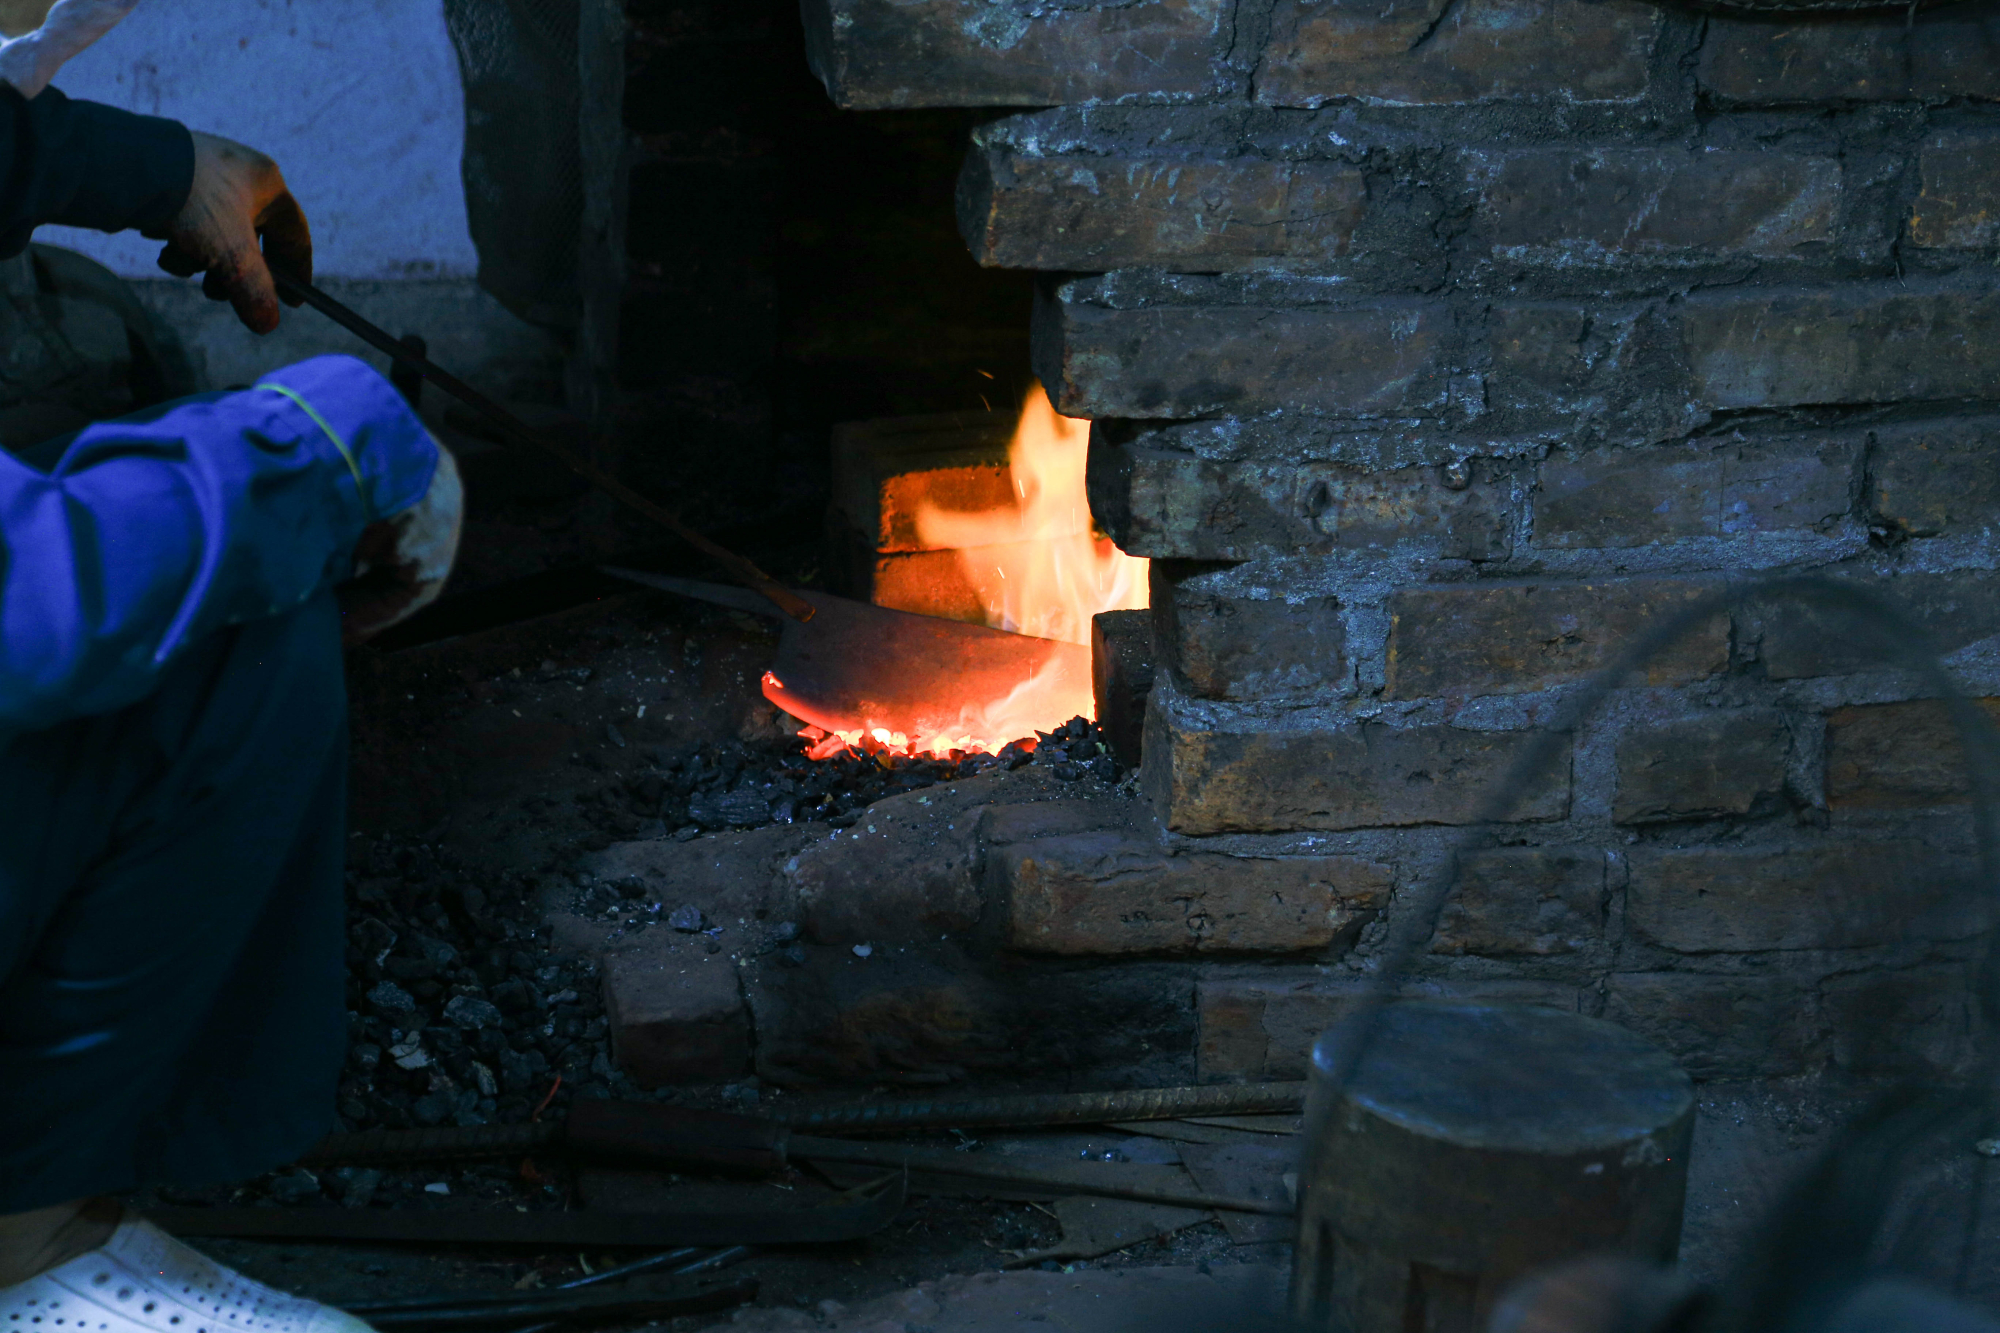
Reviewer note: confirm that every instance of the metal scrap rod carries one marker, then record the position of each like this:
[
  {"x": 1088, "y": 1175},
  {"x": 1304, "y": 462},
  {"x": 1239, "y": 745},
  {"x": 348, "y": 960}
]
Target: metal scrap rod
[
  {"x": 1020, "y": 1111},
  {"x": 445, "y": 1143},
  {"x": 508, "y": 424},
  {"x": 951, "y": 1162},
  {"x": 625, "y": 1301},
  {"x": 1046, "y": 1109}
]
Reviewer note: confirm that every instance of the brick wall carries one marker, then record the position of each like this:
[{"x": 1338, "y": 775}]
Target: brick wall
[{"x": 1436, "y": 351}]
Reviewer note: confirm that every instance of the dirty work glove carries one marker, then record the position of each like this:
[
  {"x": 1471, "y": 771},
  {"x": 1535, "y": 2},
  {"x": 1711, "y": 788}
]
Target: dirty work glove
[
  {"x": 401, "y": 562},
  {"x": 238, "y": 198},
  {"x": 32, "y": 59}
]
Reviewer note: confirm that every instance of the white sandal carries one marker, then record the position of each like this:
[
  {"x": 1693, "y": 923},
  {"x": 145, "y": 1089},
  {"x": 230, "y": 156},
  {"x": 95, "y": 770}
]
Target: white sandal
[{"x": 144, "y": 1281}]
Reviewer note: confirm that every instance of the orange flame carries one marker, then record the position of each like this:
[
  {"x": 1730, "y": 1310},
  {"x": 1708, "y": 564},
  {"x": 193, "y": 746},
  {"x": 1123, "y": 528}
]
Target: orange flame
[
  {"x": 1039, "y": 566},
  {"x": 1040, "y": 569}
]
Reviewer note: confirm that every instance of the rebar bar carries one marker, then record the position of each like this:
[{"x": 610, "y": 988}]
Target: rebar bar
[
  {"x": 1027, "y": 1111},
  {"x": 1038, "y": 1111}
]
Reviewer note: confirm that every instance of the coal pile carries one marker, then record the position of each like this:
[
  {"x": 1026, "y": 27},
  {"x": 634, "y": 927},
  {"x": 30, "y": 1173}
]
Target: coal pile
[
  {"x": 456, "y": 1014},
  {"x": 737, "y": 785}
]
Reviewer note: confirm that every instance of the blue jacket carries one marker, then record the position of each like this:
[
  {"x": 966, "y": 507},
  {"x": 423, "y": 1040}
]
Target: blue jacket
[{"x": 156, "y": 529}]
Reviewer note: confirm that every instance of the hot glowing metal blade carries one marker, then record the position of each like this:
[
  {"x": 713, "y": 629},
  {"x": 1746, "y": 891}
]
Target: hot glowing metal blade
[{"x": 857, "y": 666}]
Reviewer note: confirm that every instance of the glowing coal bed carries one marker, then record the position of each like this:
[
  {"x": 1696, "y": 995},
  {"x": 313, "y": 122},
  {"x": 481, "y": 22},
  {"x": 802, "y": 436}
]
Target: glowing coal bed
[
  {"x": 1039, "y": 570},
  {"x": 736, "y": 785}
]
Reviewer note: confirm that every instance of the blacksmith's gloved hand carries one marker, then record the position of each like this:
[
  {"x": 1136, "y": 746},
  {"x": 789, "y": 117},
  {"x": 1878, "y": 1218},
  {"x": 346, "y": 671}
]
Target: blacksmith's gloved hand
[
  {"x": 238, "y": 198},
  {"x": 402, "y": 562}
]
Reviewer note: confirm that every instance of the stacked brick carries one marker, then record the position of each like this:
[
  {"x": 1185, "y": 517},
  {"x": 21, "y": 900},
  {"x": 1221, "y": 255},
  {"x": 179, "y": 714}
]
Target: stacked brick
[{"x": 1438, "y": 349}]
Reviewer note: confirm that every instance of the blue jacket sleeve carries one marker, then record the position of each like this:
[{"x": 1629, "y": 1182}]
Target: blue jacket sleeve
[
  {"x": 86, "y": 165},
  {"x": 157, "y": 529}
]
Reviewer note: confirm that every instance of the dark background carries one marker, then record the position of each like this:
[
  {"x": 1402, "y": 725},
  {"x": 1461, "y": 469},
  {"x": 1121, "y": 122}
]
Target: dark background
[{"x": 791, "y": 265}]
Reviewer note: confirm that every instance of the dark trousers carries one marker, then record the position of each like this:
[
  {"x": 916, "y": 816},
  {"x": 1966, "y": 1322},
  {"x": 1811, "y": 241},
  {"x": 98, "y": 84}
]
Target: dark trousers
[{"x": 171, "y": 935}]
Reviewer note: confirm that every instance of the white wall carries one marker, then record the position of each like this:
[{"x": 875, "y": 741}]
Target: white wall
[{"x": 358, "y": 100}]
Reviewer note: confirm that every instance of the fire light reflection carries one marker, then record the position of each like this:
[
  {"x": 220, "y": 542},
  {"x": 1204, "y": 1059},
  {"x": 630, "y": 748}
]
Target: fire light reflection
[{"x": 1041, "y": 570}]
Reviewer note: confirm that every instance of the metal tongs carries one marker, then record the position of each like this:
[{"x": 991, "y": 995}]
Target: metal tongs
[{"x": 514, "y": 428}]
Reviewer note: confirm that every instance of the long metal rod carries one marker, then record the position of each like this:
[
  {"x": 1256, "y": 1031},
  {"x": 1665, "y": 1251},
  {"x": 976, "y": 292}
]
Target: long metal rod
[
  {"x": 1015, "y": 1111},
  {"x": 869, "y": 1212},
  {"x": 735, "y": 1254},
  {"x": 652, "y": 1263},
  {"x": 950, "y": 1162},
  {"x": 625, "y": 1302},
  {"x": 444, "y": 1143},
  {"x": 508, "y": 424},
  {"x": 1038, "y": 1110}
]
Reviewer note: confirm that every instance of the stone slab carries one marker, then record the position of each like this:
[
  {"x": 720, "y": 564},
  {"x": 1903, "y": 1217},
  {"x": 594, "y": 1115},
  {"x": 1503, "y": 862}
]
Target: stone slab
[
  {"x": 1591, "y": 205},
  {"x": 1897, "y": 756},
  {"x": 1190, "y": 361},
  {"x": 1797, "y": 639},
  {"x": 1432, "y": 53},
  {"x": 1722, "y": 1026},
  {"x": 1510, "y": 638},
  {"x": 1731, "y": 762},
  {"x": 1221, "y": 646},
  {"x": 934, "y": 1014},
  {"x": 1110, "y": 894},
  {"x": 1077, "y": 212},
  {"x": 1527, "y": 901},
  {"x": 731, "y": 877},
  {"x": 1944, "y": 53},
  {"x": 1160, "y": 503},
  {"x": 1916, "y": 1022},
  {"x": 875, "y": 54},
  {"x": 1935, "y": 478},
  {"x": 1248, "y": 778},
  {"x": 1607, "y": 373},
  {"x": 1864, "y": 343},
  {"x": 1958, "y": 203},
  {"x": 1615, "y": 498},
  {"x": 1260, "y": 1027},
  {"x": 1005, "y": 825},
  {"x": 1121, "y": 676},
  {"x": 908, "y": 870},
  {"x": 676, "y": 1012},
  {"x": 1838, "y": 895}
]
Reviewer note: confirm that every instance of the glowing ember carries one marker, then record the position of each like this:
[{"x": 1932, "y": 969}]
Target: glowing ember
[
  {"x": 1037, "y": 564},
  {"x": 1040, "y": 571},
  {"x": 1051, "y": 684}
]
